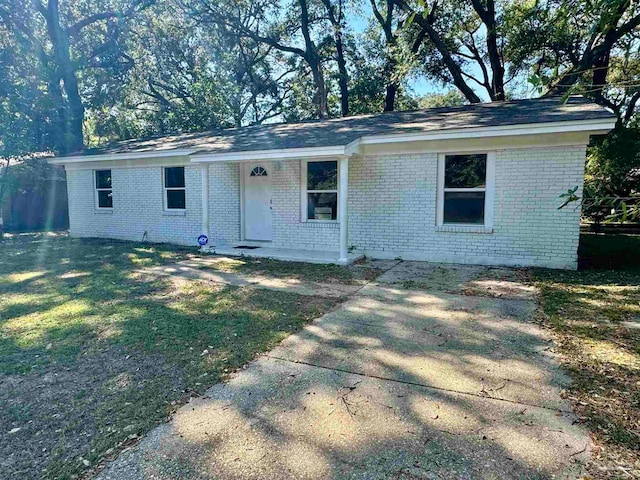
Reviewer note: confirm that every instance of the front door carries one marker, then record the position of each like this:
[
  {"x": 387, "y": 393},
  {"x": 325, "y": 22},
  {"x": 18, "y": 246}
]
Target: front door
[{"x": 257, "y": 202}]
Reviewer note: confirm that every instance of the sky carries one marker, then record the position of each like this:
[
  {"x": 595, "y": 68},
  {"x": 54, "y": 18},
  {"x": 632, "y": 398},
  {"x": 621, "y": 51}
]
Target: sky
[{"x": 420, "y": 85}]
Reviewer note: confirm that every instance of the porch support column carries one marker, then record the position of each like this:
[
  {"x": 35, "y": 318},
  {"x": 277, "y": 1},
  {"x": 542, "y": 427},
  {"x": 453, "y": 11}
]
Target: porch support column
[
  {"x": 343, "y": 195},
  {"x": 204, "y": 170}
]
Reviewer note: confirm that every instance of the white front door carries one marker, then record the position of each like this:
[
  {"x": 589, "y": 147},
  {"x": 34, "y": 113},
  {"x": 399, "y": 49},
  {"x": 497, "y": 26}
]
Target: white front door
[{"x": 257, "y": 202}]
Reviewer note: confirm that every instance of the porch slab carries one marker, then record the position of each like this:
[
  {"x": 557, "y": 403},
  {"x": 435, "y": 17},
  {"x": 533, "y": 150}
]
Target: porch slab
[{"x": 284, "y": 254}]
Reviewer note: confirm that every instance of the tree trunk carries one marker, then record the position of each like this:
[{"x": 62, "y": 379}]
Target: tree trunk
[
  {"x": 315, "y": 63},
  {"x": 4, "y": 174},
  {"x": 392, "y": 87},
  {"x": 488, "y": 17},
  {"x": 73, "y": 139},
  {"x": 320, "y": 96},
  {"x": 60, "y": 123},
  {"x": 343, "y": 76},
  {"x": 390, "y": 97},
  {"x": 497, "y": 68}
]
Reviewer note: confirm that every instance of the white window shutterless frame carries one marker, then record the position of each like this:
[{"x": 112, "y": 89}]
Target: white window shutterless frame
[
  {"x": 103, "y": 188},
  {"x": 330, "y": 210},
  {"x": 174, "y": 189},
  {"x": 488, "y": 189}
]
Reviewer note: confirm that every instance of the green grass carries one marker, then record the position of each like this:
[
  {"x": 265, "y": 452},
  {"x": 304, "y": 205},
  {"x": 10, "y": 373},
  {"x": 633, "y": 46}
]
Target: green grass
[
  {"x": 310, "y": 272},
  {"x": 591, "y": 311},
  {"x": 93, "y": 353}
]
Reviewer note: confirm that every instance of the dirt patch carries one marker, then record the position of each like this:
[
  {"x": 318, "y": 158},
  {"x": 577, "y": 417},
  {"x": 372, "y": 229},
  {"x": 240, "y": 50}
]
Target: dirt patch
[
  {"x": 358, "y": 273},
  {"x": 62, "y": 411},
  {"x": 499, "y": 282}
]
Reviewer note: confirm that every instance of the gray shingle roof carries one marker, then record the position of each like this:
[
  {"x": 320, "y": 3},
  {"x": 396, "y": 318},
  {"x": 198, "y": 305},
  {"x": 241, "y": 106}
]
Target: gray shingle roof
[{"x": 341, "y": 131}]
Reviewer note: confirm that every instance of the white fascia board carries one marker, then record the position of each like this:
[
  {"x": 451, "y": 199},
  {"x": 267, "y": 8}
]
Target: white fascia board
[
  {"x": 279, "y": 154},
  {"x": 587, "y": 126},
  {"x": 120, "y": 156},
  {"x": 354, "y": 148}
]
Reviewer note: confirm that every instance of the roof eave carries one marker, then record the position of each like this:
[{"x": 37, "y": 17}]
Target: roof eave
[
  {"x": 275, "y": 154},
  {"x": 593, "y": 127},
  {"x": 355, "y": 147},
  {"x": 121, "y": 156}
]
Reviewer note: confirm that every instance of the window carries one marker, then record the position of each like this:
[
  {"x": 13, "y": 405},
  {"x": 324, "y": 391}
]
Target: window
[
  {"x": 258, "y": 172},
  {"x": 320, "y": 200},
  {"x": 174, "y": 188},
  {"x": 465, "y": 189},
  {"x": 104, "y": 191}
]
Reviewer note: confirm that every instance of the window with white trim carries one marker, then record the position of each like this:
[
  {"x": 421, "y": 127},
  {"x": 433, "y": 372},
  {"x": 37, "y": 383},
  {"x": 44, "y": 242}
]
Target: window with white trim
[
  {"x": 174, "y": 188},
  {"x": 465, "y": 188},
  {"x": 320, "y": 195},
  {"x": 103, "y": 188}
]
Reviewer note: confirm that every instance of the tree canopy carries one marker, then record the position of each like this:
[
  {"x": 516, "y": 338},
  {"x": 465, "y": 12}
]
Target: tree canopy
[{"x": 83, "y": 72}]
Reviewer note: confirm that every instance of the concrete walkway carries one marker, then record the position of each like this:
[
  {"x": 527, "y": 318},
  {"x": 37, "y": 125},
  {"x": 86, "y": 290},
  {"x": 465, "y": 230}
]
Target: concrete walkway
[
  {"x": 205, "y": 268},
  {"x": 396, "y": 383}
]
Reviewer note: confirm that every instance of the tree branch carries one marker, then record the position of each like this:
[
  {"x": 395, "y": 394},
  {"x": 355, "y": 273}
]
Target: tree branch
[
  {"x": 454, "y": 69},
  {"x": 97, "y": 17},
  {"x": 631, "y": 107},
  {"x": 488, "y": 17},
  {"x": 74, "y": 29}
]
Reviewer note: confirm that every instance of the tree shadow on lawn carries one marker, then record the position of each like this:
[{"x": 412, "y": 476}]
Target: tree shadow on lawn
[
  {"x": 354, "y": 274},
  {"x": 283, "y": 418},
  {"x": 93, "y": 354},
  {"x": 593, "y": 313}
]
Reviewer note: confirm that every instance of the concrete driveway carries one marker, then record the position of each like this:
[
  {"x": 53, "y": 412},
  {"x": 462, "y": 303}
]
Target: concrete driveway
[{"x": 431, "y": 372}]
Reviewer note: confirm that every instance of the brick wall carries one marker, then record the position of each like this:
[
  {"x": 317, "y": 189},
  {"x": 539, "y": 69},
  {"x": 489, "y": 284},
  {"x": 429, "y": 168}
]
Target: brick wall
[
  {"x": 288, "y": 230},
  {"x": 224, "y": 203},
  {"x": 393, "y": 210},
  {"x": 392, "y": 202},
  {"x": 137, "y": 207}
]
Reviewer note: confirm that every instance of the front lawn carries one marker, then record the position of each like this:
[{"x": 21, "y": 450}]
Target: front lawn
[
  {"x": 358, "y": 273},
  {"x": 595, "y": 314},
  {"x": 93, "y": 353}
]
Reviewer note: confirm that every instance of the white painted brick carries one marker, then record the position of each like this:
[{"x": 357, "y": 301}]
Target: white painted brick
[
  {"x": 392, "y": 203},
  {"x": 224, "y": 203},
  {"x": 137, "y": 207},
  {"x": 392, "y": 208}
]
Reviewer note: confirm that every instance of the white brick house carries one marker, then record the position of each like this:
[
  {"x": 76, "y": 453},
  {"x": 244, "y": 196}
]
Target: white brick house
[{"x": 476, "y": 184}]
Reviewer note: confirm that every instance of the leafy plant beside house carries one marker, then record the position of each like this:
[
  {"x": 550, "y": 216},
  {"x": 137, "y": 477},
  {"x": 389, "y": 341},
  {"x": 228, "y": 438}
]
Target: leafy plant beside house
[{"x": 612, "y": 178}]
